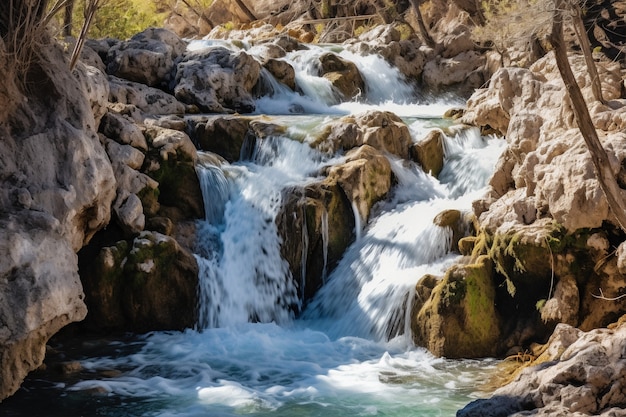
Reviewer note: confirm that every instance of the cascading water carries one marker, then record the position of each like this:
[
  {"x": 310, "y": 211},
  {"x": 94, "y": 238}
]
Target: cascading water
[{"x": 350, "y": 352}]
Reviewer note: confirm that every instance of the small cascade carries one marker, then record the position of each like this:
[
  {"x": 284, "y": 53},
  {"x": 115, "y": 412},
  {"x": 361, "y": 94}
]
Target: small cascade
[
  {"x": 358, "y": 221},
  {"x": 215, "y": 192}
]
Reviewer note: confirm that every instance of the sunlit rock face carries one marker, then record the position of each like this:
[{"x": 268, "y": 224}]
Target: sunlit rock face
[{"x": 57, "y": 186}]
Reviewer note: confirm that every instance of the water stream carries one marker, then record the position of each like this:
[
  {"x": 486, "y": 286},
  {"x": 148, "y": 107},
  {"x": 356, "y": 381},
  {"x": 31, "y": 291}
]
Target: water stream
[{"x": 350, "y": 352}]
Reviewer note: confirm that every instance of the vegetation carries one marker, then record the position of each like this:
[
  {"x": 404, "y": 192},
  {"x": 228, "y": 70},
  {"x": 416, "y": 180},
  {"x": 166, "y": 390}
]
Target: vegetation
[{"x": 117, "y": 18}]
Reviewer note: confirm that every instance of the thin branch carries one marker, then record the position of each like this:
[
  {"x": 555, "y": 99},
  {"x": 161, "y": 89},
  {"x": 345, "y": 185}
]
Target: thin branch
[{"x": 603, "y": 297}]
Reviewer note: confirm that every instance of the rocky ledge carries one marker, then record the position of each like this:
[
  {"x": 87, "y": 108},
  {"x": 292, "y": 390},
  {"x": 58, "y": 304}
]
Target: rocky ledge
[{"x": 575, "y": 374}]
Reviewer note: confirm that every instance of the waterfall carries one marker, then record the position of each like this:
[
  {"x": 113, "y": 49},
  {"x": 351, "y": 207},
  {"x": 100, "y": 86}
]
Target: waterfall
[{"x": 349, "y": 352}]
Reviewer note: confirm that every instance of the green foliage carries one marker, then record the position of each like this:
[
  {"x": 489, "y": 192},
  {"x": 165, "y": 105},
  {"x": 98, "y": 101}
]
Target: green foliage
[{"x": 120, "y": 18}]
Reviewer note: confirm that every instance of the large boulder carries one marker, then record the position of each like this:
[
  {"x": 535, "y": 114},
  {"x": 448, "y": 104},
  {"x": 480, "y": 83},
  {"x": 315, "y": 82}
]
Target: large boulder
[
  {"x": 316, "y": 224},
  {"x": 148, "y": 57},
  {"x": 459, "y": 318},
  {"x": 40, "y": 292},
  {"x": 343, "y": 75},
  {"x": 149, "y": 283},
  {"x": 56, "y": 190},
  {"x": 217, "y": 80},
  {"x": 365, "y": 177},
  {"x": 171, "y": 161},
  {"x": 223, "y": 135},
  {"x": 383, "y": 131}
]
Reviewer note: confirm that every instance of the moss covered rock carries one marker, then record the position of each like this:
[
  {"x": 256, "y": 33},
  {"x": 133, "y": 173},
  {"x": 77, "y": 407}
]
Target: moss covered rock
[
  {"x": 171, "y": 161},
  {"x": 459, "y": 319},
  {"x": 148, "y": 284},
  {"x": 316, "y": 224}
]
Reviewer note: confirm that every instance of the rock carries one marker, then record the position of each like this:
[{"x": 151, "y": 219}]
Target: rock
[
  {"x": 40, "y": 292},
  {"x": 124, "y": 154},
  {"x": 365, "y": 178},
  {"x": 459, "y": 223},
  {"x": 314, "y": 220},
  {"x": 429, "y": 153},
  {"x": 148, "y": 57},
  {"x": 583, "y": 376},
  {"x": 129, "y": 213},
  {"x": 96, "y": 87},
  {"x": 223, "y": 135},
  {"x": 459, "y": 319},
  {"x": 386, "y": 132},
  {"x": 282, "y": 71},
  {"x": 52, "y": 162},
  {"x": 343, "y": 75},
  {"x": 383, "y": 131},
  {"x": 149, "y": 100},
  {"x": 122, "y": 130},
  {"x": 150, "y": 284},
  {"x": 171, "y": 162},
  {"x": 217, "y": 80},
  {"x": 465, "y": 68}
]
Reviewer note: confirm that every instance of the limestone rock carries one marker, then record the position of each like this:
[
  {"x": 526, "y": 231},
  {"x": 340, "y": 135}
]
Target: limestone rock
[
  {"x": 94, "y": 83},
  {"x": 148, "y": 57},
  {"x": 122, "y": 130},
  {"x": 314, "y": 220},
  {"x": 584, "y": 375},
  {"x": 365, "y": 178},
  {"x": 147, "y": 285},
  {"x": 282, "y": 71},
  {"x": 223, "y": 135},
  {"x": 428, "y": 152},
  {"x": 464, "y": 68},
  {"x": 149, "y": 100},
  {"x": 382, "y": 130},
  {"x": 171, "y": 162},
  {"x": 217, "y": 80},
  {"x": 40, "y": 292},
  {"x": 129, "y": 212},
  {"x": 56, "y": 189},
  {"x": 459, "y": 319},
  {"x": 343, "y": 75}
]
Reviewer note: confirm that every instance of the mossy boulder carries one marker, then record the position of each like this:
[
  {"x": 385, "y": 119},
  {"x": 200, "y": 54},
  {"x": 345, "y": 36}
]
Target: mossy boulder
[
  {"x": 316, "y": 224},
  {"x": 459, "y": 319},
  {"x": 147, "y": 284},
  {"x": 171, "y": 161}
]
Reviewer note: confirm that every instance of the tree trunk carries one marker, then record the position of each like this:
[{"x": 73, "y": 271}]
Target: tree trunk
[
  {"x": 599, "y": 156},
  {"x": 67, "y": 18},
  {"x": 246, "y": 10},
  {"x": 420, "y": 23},
  {"x": 585, "y": 46}
]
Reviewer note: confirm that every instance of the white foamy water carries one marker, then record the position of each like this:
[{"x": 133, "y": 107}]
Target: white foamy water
[{"x": 350, "y": 353}]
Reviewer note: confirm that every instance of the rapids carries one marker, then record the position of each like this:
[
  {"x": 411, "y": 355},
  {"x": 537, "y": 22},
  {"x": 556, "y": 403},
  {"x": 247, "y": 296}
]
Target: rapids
[{"x": 349, "y": 353}]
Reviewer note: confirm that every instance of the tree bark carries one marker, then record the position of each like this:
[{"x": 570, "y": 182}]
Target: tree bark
[
  {"x": 245, "y": 9},
  {"x": 420, "y": 23},
  {"x": 67, "y": 18},
  {"x": 599, "y": 157},
  {"x": 585, "y": 46}
]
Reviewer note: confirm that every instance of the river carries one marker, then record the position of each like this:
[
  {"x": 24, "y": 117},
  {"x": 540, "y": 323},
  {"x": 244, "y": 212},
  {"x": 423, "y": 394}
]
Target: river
[{"x": 349, "y": 353}]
